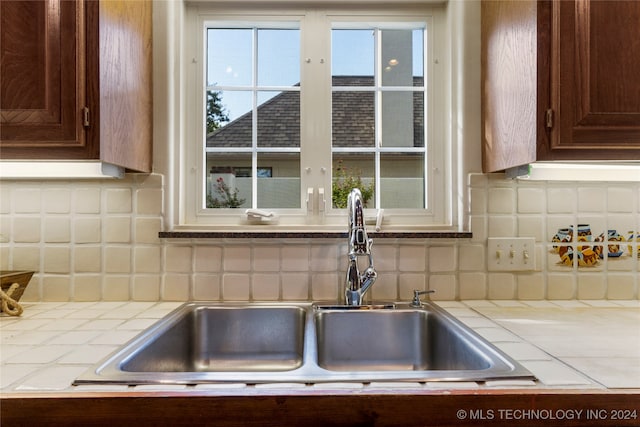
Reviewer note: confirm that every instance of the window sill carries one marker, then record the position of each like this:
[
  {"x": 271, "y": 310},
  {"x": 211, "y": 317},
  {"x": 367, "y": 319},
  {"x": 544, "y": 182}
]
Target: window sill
[
  {"x": 312, "y": 235},
  {"x": 47, "y": 169}
]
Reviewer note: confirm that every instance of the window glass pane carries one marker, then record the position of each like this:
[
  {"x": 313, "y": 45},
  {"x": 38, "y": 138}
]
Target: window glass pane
[
  {"x": 278, "y": 180},
  {"x": 418, "y": 53},
  {"x": 229, "y": 57},
  {"x": 402, "y": 180},
  {"x": 279, "y": 119},
  {"x": 235, "y": 130},
  {"x": 278, "y": 57},
  {"x": 353, "y": 171},
  {"x": 217, "y": 114},
  {"x": 402, "y": 119},
  {"x": 402, "y": 57},
  {"x": 353, "y": 119},
  {"x": 352, "y": 54},
  {"x": 227, "y": 184}
]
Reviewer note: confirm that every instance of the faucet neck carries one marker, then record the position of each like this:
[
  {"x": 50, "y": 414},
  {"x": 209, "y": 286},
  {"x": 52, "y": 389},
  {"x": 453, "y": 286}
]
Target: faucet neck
[{"x": 359, "y": 245}]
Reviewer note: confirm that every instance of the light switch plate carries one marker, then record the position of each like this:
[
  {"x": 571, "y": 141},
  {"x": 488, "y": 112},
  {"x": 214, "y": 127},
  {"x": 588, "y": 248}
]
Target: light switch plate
[{"x": 511, "y": 254}]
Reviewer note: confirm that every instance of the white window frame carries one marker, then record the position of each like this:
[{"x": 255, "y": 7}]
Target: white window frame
[{"x": 315, "y": 175}]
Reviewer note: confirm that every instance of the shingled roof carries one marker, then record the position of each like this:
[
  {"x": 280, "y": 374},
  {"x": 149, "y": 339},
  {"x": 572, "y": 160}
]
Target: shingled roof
[{"x": 279, "y": 119}]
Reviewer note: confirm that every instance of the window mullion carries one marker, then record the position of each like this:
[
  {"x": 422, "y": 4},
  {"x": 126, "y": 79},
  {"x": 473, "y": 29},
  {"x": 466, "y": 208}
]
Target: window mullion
[
  {"x": 378, "y": 116},
  {"x": 254, "y": 121},
  {"x": 315, "y": 108}
]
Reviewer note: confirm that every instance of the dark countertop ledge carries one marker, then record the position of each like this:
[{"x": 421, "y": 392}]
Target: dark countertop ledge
[{"x": 311, "y": 235}]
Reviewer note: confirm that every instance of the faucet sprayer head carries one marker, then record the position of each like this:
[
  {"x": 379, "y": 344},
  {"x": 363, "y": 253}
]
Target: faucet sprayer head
[{"x": 359, "y": 243}]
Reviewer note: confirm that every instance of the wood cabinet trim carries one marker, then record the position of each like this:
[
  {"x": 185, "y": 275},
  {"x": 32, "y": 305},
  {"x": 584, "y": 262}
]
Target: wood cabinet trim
[{"x": 276, "y": 408}]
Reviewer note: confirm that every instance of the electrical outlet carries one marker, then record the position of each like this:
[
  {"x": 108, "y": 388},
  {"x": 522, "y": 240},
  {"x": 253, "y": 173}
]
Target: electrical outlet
[{"x": 511, "y": 254}]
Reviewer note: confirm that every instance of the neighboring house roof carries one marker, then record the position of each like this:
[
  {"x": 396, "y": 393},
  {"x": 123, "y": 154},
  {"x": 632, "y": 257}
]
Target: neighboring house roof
[{"x": 279, "y": 119}]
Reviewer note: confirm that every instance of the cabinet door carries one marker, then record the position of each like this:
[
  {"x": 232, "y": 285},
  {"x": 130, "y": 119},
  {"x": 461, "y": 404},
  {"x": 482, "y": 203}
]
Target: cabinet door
[
  {"x": 43, "y": 81},
  {"x": 510, "y": 70},
  {"x": 595, "y": 81},
  {"x": 125, "y": 85}
]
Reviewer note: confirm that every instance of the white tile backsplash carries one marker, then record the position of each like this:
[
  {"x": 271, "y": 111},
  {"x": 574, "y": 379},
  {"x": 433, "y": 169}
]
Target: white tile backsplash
[
  {"x": 146, "y": 288},
  {"x": 442, "y": 258},
  {"x": 295, "y": 286},
  {"x": 118, "y": 200},
  {"x": 386, "y": 287},
  {"x": 561, "y": 200},
  {"x": 530, "y": 286},
  {"x": 265, "y": 287},
  {"x": 237, "y": 258},
  {"x": 27, "y": 200},
  {"x": 57, "y": 229},
  {"x": 531, "y": 200},
  {"x": 266, "y": 258},
  {"x": 472, "y": 286},
  {"x": 501, "y": 200},
  {"x": 87, "y": 287},
  {"x": 444, "y": 286},
  {"x": 408, "y": 282},
  {"x": 208, "y": 259},
  {"x": 592, "y": 199},
  {"x": 26, "y": 229},
  {"x": 92, "y": 241},
  {"x": 206, "y": 287},
  {"x": 176, "y": 287},
  {"x": 295, "y": 257},
  {"x": 412, "y": 257},
  {"x": 149, "y": 201},
  {"x": 116, "y": 288},
  {"x": 117, "y": 229},
  {"x": 117, "y": 259},
  {"x": 236, "y": 287},
  {"x": 87, "y": 200},
  {"x": 501, "y": 286},
  {"x": 324, "y": 286}
]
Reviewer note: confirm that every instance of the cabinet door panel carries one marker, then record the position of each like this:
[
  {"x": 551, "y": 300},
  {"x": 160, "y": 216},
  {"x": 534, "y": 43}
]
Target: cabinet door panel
[
  {"x": 509, "y": 65},
  {"x": 125, "y": 83},
  {"x": 24, "y": 57},
  {"x": 595, "y": 80},
  {"x": 615, "y": 85},
  {"x": 43, "y": 85}
]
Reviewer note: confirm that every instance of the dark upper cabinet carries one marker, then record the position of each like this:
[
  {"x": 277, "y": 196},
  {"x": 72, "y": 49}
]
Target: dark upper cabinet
[
  {"x": 560, "y": 81},
  {"x": 76, "y": 81}
]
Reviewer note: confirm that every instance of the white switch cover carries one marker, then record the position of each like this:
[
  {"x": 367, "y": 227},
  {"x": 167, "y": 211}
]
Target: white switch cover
[{"x": 511, "y": 254}]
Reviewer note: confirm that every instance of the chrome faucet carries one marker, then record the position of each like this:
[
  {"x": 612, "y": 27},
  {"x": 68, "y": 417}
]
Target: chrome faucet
[{"x": 357, "y": 284}]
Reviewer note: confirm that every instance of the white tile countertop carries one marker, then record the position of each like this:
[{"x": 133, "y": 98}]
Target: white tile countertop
[{"x": 565, "y": 344}]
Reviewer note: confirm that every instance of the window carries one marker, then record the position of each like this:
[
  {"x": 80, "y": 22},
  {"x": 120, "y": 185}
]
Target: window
[
  {"x": 252, "y": 116},
  {"x": 377, "y": 105},
  {"x": 291, "y": 109}
]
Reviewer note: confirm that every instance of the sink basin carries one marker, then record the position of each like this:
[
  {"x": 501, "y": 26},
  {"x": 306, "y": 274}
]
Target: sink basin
[
  {"x": 202, "y": 338},
  {"x": 305, "y": 343},
  {"x": 393, "y": 340}
]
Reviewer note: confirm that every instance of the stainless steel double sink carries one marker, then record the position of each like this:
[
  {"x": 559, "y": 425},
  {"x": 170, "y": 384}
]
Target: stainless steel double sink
[{"x": 305, "y": 343}]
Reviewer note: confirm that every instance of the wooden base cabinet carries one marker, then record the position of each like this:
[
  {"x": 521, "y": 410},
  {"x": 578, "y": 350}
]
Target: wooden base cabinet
[
  {"x": 76, "y": 81},
  {"x": 561, "y": 81}
]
